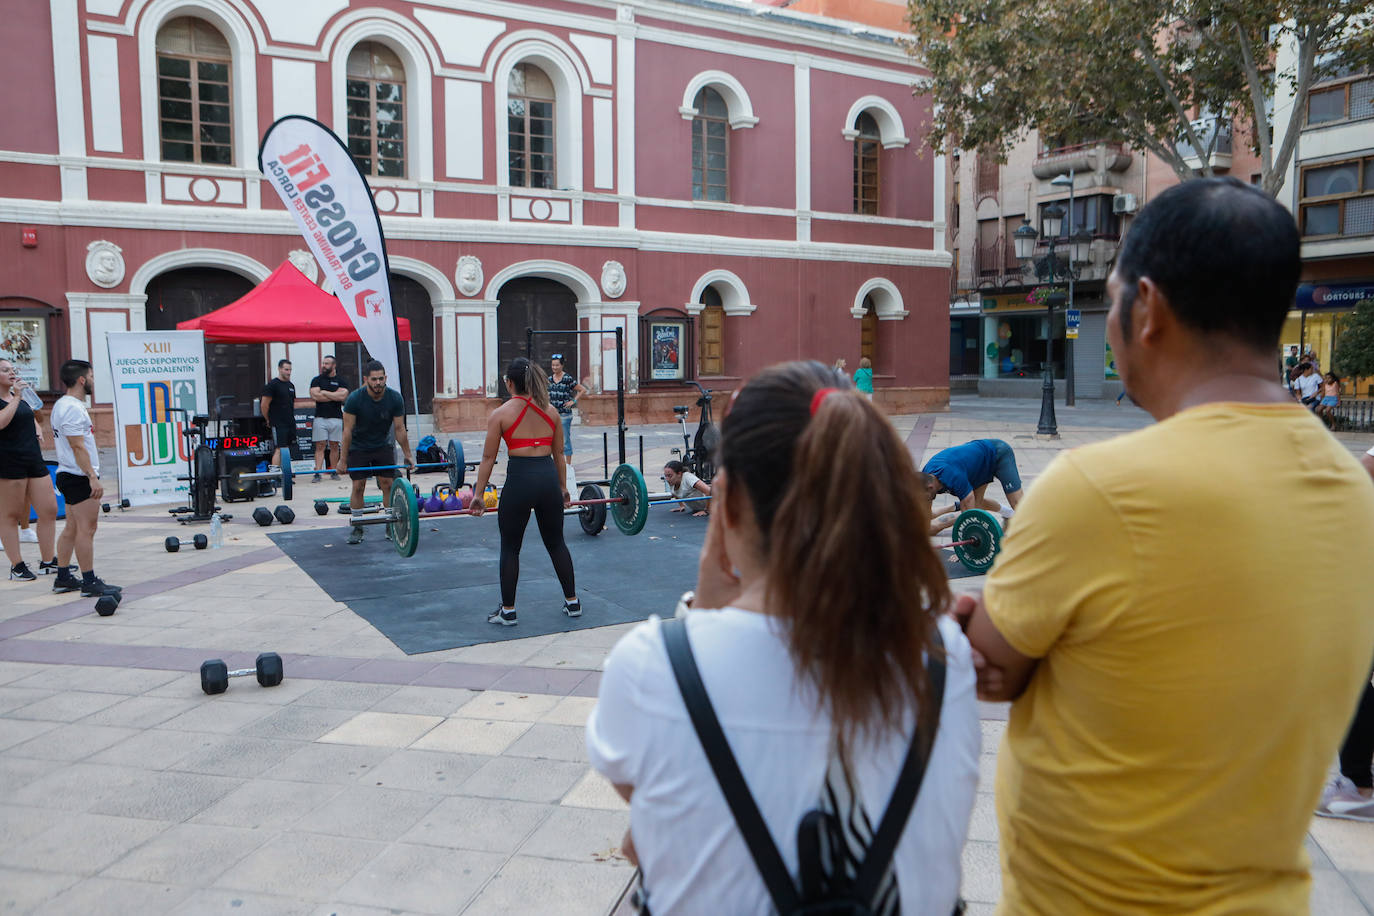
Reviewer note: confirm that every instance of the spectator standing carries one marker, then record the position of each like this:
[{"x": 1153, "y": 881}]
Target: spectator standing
[
  {"x": 24, "y": 477},
  {"x": 840, "y": 374},
  {"x": 1290, "y": 365},
  {"x": 564, "y": 392},
  {"x": 863, "y": 377},
  {"x": 278, "y": 407},
  {"x": 329, "y": 393},
  {"x": 1134, "y": 776},
  {"x": 78, "y": 480}
]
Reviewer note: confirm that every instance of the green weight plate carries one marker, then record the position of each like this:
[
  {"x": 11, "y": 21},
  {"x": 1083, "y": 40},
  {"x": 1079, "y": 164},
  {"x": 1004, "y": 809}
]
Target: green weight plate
[
  {"x": 593, "y": 518},
  {"x": 985, "y": 530},
  {"x": 286, "y": 472},
  {"x": 457, "y": 465},
  {"x": 404, "y": 526},
  {"x": 630, "y": 514}
]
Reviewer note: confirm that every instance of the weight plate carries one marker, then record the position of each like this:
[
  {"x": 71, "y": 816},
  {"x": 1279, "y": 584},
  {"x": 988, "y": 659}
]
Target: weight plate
[
  {"x": 286, "y": 472},
  {"x": 593, "y": 518},
  {"x": 630, "y": 514},
  {"x": 983, "y": 528},
  {"x": 203, "y": 498},
  {"x": 457, "y": 466},
  {"x": 404, "y": 526}
]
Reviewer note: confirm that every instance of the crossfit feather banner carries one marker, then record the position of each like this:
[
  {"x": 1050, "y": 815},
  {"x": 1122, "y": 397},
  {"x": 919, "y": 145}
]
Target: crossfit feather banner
[{"x": 324, "y": 190}]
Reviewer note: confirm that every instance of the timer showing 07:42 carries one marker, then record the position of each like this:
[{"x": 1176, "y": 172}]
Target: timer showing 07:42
[{"x": 234, "y": 442}]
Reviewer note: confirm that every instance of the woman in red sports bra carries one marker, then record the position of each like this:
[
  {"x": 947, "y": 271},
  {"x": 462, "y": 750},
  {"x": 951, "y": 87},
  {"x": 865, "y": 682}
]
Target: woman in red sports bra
[{"x": 535, "y": 482}]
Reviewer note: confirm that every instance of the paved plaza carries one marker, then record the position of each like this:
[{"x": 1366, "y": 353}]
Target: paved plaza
[{"x": 370, "y": 781}]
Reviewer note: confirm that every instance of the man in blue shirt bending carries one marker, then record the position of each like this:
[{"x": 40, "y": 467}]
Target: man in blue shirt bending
[{"x": 965, "y": 471}]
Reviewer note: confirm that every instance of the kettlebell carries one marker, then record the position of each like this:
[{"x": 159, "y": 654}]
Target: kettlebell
[
  {"x": 451, "y": 501},
  {"x": 465, "y": 497},
  {"x": 489, "y": 497},
  {"x": 435, "y": 503}
]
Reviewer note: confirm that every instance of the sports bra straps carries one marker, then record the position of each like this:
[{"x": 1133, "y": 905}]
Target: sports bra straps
[{"x": 528, "y": 443}]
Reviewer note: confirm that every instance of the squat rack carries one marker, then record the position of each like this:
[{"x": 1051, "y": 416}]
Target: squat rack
[{"x": 619, "y": 373}]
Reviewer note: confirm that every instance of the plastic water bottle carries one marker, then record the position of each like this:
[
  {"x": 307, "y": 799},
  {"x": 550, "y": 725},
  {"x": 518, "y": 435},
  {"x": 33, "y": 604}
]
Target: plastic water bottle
[
  {"x": 216, "y": 532},
  {"x": 31, "y": 398}
]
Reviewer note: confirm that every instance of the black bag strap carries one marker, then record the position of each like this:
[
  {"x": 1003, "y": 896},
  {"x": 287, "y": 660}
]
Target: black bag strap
[{"x": 741, "y": 803}]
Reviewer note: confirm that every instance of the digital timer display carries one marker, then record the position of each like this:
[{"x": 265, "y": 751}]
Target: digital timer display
[{"x": 234, "y": 442}]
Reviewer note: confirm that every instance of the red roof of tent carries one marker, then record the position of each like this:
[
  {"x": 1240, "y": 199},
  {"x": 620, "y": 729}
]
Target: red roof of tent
[{"x": 284, "y": 308}]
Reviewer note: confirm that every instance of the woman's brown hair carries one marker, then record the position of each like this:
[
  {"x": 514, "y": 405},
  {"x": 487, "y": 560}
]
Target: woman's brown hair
[
  {"x": 845, "y": 523},
  {"x": 531, "y": 381}
]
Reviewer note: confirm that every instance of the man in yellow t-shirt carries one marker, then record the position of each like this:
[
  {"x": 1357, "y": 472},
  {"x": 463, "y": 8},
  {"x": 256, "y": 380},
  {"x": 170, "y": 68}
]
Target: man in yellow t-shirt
[{"x": 1181, "y": 676}]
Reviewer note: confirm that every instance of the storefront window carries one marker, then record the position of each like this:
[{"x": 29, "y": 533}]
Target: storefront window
[{"x": 1016, "y": 345}]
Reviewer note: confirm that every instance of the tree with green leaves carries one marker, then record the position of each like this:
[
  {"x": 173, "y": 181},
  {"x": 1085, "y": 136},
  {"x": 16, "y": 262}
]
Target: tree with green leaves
[
  {"x": 1355, "y": 346},
  {"x": 1132, "y": 70}
]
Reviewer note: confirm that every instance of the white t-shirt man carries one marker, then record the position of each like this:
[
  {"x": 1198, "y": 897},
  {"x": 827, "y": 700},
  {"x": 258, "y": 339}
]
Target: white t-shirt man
[
  {"x": 70, "y": 418},
  {"x": 1307, "y": 384},
  {"x": 693, "y": 858}
]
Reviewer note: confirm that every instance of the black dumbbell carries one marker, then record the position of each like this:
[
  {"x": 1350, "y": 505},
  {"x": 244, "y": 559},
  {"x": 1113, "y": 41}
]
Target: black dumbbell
[
  {"x": 201, "y": 541},
  {"x": 215, "y": 674},
  {"x": 105, "y": 507},
  {"x": 321, "y": 507},
  {"x": 263, "y": 516},
  {"x": 284, "y": 515},
  {"x": 105, "y": 605},
  {"x": 173, "y": 544}
]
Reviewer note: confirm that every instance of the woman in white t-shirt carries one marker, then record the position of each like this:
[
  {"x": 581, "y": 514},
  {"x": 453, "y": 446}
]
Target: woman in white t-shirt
[
  {"x": 815, "y": 664},
  {"x": 683, "y": 484}
]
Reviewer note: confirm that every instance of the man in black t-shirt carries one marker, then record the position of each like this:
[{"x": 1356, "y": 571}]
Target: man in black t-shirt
[
  {"x": 373, "y": 416},
  {"x": 278, "y": 405},
  {"x": 329, "y": 394}
]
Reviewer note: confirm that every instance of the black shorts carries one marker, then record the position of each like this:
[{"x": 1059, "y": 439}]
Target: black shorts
[
  {"x": 75, "y": 488},
  {"x": 287, "y": 435},
  {"x": 371, "y": 458},
  {"x": 22, "y": 467}
]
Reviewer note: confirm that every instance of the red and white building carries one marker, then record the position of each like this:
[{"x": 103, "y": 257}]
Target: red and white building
[{"x": 739, "y": 183}]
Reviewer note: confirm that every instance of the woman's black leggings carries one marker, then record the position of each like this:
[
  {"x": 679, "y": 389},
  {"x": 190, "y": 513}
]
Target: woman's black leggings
[
  {"x": 1358, "y": 750},
  {"x": 532, "y": 485}
]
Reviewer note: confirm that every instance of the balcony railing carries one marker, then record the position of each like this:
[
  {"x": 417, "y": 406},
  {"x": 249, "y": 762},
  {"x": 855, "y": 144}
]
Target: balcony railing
[
  {"x": 1211, "y": 132},
  {"x": 1082, "y": 158}
]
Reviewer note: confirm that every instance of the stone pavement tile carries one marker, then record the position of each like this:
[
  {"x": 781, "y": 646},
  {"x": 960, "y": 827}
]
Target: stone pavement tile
[
  {"x": 422, "y": 879},
  {"x": 369, "y": 812},
  {"x": 237, "y": 903},
  {"x": 570, "y": 711},
  {"x": 1315, "y": 853},
  {"x": 154, "y": 749},
  {"x": 551, "y": 681},
  {"x": 329, "y": 763},
  {"x": 347, "y": 696},
  {"x": 486, "y": 824},
  {"x": 1332, "y": 895},
  {"x": 191, "y": 855},
  {"x": 594, "y": 791},
  {"x": 461, "y": 674},
  {"x": 590, "y": 686},
  {"x": 1363, "y": 883},
  {"x": 552, "y": 742},
  {"x": 510, "y": 707},
  {"x": 425, "y": 771},
  {"x": 300, "y": 723},
  {"x": 17, "y": 772},
  {"x": 211, "y": 715},
  {"x": 166, "y": 796},
  {"x": 111, "y": 895},
  {"x": 579, "y": 835},
  {"x": 982, "y": 872},
  {"x": 381, "y": 729},
  {"x": 18, "y": 823},
  {"x": 19, "y": 697},
  {"x": 584, "y": 658},
  {"x": 11, "y": 672},
  {"x": 981, "y": 909},
  {"x": 425, "y": 701},
  {"x": 13, "y": 731},
  {"x": 81, "y": 843},
  {"x": 71, "y": 742},
  {"x": 267, "y": 804},
  {"x": 530, "y": 885},
  {"x": 524, "y": 779},
  {"x": 987, "y": 771},
  {"x": 312, "y": 866},
  {"x": 237, "y": 755},
  {"x": 993, "y": 730},
  {"x": 503, "y": 652},
  {"x": 73, "y": 787},
  {"x": 472, "y": 736},
  {"x": 983, "y": 823},
  {"x": 23, "y": 891},
  {"x": 139, "y": 712},
  {"x": 993, "y": 710},
  {"x": 1347, "y": 844}
]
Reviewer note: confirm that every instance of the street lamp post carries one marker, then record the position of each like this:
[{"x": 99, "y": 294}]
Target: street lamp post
[{"x": 1024, "y": 240}]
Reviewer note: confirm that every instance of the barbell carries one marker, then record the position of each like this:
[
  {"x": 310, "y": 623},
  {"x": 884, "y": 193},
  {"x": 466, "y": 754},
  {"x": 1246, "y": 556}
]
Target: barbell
[
  {"x": 456, "y": 464},
  {"x": 977, "y": 539}
]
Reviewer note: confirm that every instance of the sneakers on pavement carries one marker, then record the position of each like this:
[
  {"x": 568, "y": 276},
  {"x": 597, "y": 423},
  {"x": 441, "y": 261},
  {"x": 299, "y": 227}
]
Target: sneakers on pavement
[
  {"x": 20, "y": 572},
  {"x": 50, "y": 566},
  {"x": 28, "y": 536},
  {"x": 333, "y": 475},
  {"x": 66, "y": 581},
  {"x": 95, "y": 587},
  {"x": 572, "y": 608},
  {"x": 502, "y": 616},
  {"x": 315, "y": 479},
  {"x": 1341, "y": 799},
  {"x": 356, "y": 535}
]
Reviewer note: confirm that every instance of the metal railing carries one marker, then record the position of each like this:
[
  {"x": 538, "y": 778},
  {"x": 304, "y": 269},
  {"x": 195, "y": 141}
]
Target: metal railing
[
  {"x": 1215, "y": 132},
  {"x": 1354, "y": 415}
]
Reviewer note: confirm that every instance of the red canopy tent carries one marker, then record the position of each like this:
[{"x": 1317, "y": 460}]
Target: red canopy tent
[{"x": 284, "y": 308}]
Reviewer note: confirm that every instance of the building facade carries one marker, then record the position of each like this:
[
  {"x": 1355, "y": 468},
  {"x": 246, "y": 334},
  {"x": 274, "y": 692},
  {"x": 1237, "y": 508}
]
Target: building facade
[{"x": 729, "y": 185}]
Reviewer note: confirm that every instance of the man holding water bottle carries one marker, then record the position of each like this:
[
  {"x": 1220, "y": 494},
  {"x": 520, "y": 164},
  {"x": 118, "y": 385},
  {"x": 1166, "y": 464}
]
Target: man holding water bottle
[{"x": 24, "y": 478}]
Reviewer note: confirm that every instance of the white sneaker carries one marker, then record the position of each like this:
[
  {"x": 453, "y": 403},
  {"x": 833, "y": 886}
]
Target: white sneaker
[
  {"x": 1341, "y": 799},
  {"x": 28, "y": 536}
]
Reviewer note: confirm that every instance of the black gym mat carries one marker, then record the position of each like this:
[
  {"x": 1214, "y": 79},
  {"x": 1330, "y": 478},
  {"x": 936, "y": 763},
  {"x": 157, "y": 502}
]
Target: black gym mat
[{"x": 440, "y": 598}]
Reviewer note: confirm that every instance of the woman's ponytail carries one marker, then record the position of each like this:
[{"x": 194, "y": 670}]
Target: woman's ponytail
[{"x": 531, "y": 381}]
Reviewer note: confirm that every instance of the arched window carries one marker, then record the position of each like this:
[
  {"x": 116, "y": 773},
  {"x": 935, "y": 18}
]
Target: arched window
[
  {"x": 710, "y": 147},
  {"x": 867, "y": 146},
  {"x": 529, "y": 123},
  {"x": 195, "y": 120},
  {"x": 376, "y": 88},
  {"x": 711, "y": 340},
  {"x": 868, "y": 333}
]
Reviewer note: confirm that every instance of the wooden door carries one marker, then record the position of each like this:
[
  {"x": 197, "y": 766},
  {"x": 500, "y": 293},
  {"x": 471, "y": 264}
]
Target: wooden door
[
  {"x": 545, "y": 305},
  {"x": 712, "y": 341},
  {"x": 237, "y": 371},
  {"x": 868, "y": 332}
]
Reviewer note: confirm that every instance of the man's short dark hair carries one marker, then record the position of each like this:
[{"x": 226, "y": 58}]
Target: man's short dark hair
[
  {"x": 1224, "y": 253},
  {"x": 72, "y": 370},
  {"x": 283, "y": 362},
  {"x": 327, "y": 356},
  {"x": 372, "y": 366}
]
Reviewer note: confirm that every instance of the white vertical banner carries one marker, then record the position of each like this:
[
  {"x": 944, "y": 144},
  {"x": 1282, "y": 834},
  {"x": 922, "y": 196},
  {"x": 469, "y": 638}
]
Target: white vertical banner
[
  {"x": 157, "y": 383},
  {"x": 317, "y": 180}
]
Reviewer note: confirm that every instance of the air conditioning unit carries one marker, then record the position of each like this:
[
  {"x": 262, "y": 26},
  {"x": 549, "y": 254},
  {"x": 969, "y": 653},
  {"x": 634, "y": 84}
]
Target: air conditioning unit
[{"x": 1125, "y": 203}]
